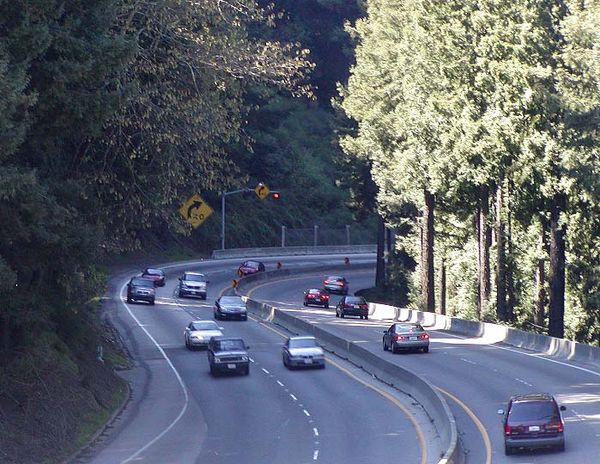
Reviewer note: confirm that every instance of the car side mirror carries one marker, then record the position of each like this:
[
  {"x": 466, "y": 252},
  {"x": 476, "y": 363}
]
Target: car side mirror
[
  {"x": 247, "y": 347},
  {"x": 501, "y": 412},
  {"x": 563, "y": 408},
  {"x": 221, "y": 328},
  {"x": 385, "y": 331},
  {"x": 180, "y": 278}
]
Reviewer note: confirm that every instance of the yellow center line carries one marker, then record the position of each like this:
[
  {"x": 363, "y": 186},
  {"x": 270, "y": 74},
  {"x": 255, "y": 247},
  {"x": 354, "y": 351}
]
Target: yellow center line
[
  {"x": 484, "y": 435},
  {"x": 386, "y": 395}
]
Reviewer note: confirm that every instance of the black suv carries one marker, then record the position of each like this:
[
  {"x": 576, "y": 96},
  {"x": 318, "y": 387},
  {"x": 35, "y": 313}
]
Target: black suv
[
  {"x": 227, "y": 354},
  {"x": 533, "y": 421},
  {"x": 141, "y": 289}
]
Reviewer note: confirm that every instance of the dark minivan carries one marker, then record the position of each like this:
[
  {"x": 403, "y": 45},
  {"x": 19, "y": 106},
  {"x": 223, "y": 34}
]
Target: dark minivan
[{"x": 533, "y": 421}]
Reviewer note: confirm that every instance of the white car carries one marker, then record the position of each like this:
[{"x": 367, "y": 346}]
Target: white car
[
  {"x": 303, "y": 351},
  {"x": 199, "y": 333},
  {"x": 192, "y": 284}
]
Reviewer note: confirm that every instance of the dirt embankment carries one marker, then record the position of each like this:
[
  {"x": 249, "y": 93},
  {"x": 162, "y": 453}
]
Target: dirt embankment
[{"x": 52, "y": 399}]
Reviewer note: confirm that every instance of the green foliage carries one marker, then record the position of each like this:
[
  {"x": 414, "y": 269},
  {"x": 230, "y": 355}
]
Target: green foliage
[{"x": 451, "y": 96}]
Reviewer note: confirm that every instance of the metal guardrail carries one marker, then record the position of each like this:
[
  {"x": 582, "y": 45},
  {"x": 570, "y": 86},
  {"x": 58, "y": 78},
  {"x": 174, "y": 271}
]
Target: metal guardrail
[{"x": 292, "y": 251}]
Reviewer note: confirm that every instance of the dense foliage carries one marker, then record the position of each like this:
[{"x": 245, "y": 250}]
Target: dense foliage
[{"x": 485, "y": 115}]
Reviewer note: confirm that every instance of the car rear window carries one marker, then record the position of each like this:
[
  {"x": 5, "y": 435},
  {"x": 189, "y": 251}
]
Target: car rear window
[
  {"x": 313, "y": 290},
  {"x": 303, "y": 343},
  {"x": 139, "y": 282},
  {"x": 532, "y": 411},
  {"x": 207, "y": 325},
  {"x": 154, "y": 272},
  {"x": 230, "y": 345},
  {"x": 195, "y": 277},
  {"x": 408, "y": 328},
  {"x": 355, "y": 300},
  {"x": 336, "y": 278},
  {"x": 231, "y": 300}
]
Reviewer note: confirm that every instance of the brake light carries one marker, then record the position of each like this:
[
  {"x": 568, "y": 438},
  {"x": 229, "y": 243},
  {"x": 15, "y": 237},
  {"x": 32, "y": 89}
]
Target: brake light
[
  {"x": 324, "y": 297},
  {"x": 507, "y": 429},
  {"x": 346, "y": 305},
  {"x": 424, "y": 337},
  {"x": 325, "y": 281},
  {"x": 363, "y": 306},
  {"x": 556, "y": 426},
  {"x": 399, "y": 337}
]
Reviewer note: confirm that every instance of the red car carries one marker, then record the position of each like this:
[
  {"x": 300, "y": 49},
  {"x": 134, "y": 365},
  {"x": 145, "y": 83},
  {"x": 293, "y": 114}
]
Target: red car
[
  {"x": 156, "y": 275},
  {"x": 250, "y": 267},
  {"x": 315, "y": 296}
]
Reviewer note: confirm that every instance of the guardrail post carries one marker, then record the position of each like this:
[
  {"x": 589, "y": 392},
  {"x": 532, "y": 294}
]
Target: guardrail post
[
  {"x": 315, "y": 234},
  {"x": 282, "y": 236},
  {"x": 348, "y": 234}
]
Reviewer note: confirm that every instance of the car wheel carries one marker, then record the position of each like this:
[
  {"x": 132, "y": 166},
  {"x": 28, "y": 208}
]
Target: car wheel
[
  {"x": 393, "y": 349},
  {"x": 187, "y": 344},
  {"x": 337, "y": 314},
  {"x": 342, "y": 314},
  {"x": 508, "y": 450},
  {"x": 367, "y": 317},
  {"x": 561, "y": 447},
  {"x": 213, "y": 371},
  {"x": 216, "y": 316},
  {"x": 246, "y": 370},
  {"x": 179, "y": 294},
  {"x": 244, "y": 318},
  {"x": 327, "y": 305},
  {"x": 385, "y": 347},
  {"x": 129, "y": 300},
  {"x": 305, "y": 303},
  {"x": 426, "y": 349},
  {"x": 152, "y": 302}
]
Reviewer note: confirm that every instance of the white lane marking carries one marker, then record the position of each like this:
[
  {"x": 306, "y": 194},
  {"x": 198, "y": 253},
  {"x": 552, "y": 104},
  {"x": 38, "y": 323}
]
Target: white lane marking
[
  {"x": 251, "y": 360},
  {"x": 306, "y": 412},
  {"x": 280, "y": 384},
  {"x": 293, "y": 397},
  {"x": 316, "y": 455},
  {"x": 468, "y": 361},
  {"x": 316, "y": 431},
  {"x": 524, "y": 382},
  {"x": 533, "y": 355},
  {"x": 265, "y": 371},
  {"x": 179, "y": 379}
]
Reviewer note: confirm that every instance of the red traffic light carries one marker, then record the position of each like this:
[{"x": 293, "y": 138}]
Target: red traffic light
[{"x": 275, "y": 195}]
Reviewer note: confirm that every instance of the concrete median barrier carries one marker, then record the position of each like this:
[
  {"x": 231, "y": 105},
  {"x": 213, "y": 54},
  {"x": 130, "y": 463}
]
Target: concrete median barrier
[{"x": 402, "y": 379}]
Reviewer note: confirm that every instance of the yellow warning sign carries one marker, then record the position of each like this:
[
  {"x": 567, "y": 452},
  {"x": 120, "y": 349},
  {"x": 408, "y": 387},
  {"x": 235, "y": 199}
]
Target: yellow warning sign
[
  {"x": 195, "y": 210},
  {"x": 262, "y": 191}
]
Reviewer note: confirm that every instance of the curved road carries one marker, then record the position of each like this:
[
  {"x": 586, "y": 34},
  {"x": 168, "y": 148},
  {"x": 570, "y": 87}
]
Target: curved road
[
  {"x": 476, "y": 377},
  {"x": 178, "y": 413}
]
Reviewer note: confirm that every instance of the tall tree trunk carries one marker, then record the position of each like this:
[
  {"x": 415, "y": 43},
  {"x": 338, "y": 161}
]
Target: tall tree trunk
[
  {"x": 511, "y": 298},
  {"x": 500, "y": 258},
  {"x": 540, "y": 280},
  {"x": 442, "y": 288},
  {"x": 557, "y": 267},
  {"x": 380, "y": 267},
  {"x": 427, "y": 270},
  {"x": 484, "y": 250},
  {"x": 5, "y": 320},
  {"x": 477, "y": 235}
]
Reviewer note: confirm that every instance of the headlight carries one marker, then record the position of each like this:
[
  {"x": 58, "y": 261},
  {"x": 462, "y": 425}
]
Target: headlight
[
  {"x": 217, "y": 360},
  {"x": 197, "y": 337}
]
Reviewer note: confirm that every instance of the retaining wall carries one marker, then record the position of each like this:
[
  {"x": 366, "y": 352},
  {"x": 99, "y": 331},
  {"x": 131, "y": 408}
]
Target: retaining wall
[{"x": 292, "y": 251}]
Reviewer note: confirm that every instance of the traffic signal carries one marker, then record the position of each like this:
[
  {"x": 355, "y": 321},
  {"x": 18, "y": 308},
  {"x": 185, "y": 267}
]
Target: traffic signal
[{"x": 275, "y": 195}]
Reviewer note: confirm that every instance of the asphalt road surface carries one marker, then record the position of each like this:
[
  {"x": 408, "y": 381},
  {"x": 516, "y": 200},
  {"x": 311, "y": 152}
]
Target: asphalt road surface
[
  {"x": 179, "y": 413},
  {"x": 476, "y": 377}
]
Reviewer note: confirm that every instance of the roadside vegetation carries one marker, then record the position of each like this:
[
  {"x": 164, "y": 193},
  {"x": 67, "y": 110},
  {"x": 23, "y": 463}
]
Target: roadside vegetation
[
  {"x": 481, "y": 123},
  {"x": 114, "y": 112}
]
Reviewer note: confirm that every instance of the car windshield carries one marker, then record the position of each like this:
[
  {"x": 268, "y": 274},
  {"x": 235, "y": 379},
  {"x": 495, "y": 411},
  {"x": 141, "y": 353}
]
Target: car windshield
[
  {"x": 154, "y": 272},
  {"x": 251, "y": 264},
  {"x": 204, "y": 325},
  {"x": 139, "y": 282},
  {"x": 408, "y": 328},
  {"x": 195, "y": 277},
  {"x": 355, "y": 300},
  {"x": 231, "y": 301},
  {"x": 302, "y": 343},
  {"x": 532, "y": 411},
  {"x": 230, "y": 345}
]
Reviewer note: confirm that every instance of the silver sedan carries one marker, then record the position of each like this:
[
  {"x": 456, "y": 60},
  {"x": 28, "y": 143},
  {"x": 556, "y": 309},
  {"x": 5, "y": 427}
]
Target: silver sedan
[
  {"x": 405, "y": 336},
  {"x": 303, "y": 351},
  {"x": 199, "y": 333}
]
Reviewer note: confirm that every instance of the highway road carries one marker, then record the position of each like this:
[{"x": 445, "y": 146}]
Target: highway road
[
  {"x": 178, "y": 413},
  {"x": 477, "y": 378}
]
